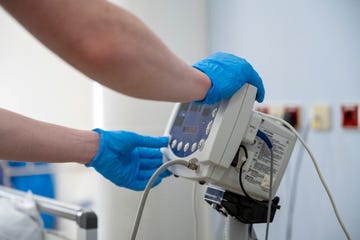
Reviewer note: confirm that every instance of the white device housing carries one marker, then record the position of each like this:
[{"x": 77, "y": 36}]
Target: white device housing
[{"x": 212, "y": 140}]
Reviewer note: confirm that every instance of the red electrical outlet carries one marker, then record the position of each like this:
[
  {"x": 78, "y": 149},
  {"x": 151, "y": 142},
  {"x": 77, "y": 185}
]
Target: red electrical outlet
[
  {"x": 350, "y": 116},
  {"x": 292, "y": 116}
]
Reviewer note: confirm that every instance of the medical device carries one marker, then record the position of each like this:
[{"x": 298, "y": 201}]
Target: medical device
[
  {"x": 222, "y": 140},
  {"x": 240, "y": 153}
]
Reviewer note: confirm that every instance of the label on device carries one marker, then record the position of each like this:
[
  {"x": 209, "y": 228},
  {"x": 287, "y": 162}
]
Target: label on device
[{"x": 259, "y": 170}]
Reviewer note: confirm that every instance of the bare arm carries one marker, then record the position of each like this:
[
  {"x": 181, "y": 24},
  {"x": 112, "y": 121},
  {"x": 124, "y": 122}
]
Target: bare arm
[
  {"x": 111, "y": 46},
  {"x": 25, "y": 139}
]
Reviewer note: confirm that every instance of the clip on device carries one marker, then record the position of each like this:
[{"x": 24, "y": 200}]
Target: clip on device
[{"x": 221, "y": 139}]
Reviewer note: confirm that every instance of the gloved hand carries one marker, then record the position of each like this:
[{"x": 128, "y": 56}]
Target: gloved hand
[
  {"x": 128, "y": 159},
  {"x": 228, "y": 73}
]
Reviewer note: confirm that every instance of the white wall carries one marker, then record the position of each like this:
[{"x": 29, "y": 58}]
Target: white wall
[
  {"x": 307, "y": 52},
  {"x": 36, "y": 83}
]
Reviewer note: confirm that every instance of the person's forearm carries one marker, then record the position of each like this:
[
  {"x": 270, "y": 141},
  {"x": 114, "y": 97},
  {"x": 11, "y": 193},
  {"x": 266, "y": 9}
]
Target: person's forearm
[
  {"x": 25, "y": 139},
  {"x": 111, "y": 46}
]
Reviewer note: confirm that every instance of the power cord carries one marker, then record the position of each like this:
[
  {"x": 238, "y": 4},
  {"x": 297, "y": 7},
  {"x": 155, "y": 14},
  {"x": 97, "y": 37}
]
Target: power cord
[
  {"x": 162, "y": 168},
  {"x": 240, "y": 174},
  {"x": 317, "y": 170},
  {"x": 195, "y": 213},
  {"x": 294, "y": 184},
  {"x": 268, "y": 143},
  {"x": 251, "y": 233}
]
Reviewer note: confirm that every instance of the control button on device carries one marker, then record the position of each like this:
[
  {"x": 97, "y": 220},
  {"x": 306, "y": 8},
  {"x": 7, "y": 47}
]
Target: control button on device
[
  {"x": 186, "y": 147},
  {"x": 179, "y": 146},
  {"x": 173, "y": 143},
  {"x": 201, "y": 144},
  {"x": 193, "y": 147},
  {"x": 213, "y": 114},
  {"x": 209, "y": 127}
]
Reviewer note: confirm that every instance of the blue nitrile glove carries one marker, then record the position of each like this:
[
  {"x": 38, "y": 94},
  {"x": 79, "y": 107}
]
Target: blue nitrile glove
[
  {"x": 228, "y": 73},
  {"x": 129, "y": 159}
]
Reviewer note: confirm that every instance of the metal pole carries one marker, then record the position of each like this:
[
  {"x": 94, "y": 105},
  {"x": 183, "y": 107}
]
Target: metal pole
[{"x": 86, "y": 219}]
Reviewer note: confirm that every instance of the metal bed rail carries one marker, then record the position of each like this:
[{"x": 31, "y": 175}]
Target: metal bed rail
[{"x": 85, "y": 219}]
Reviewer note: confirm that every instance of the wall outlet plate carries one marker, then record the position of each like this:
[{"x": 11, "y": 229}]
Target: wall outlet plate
[{"x": 321, "y": 117}]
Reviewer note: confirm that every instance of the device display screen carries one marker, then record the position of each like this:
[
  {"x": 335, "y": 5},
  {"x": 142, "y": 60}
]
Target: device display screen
[
  {"x": 179, "y": 121},
  {"x": 190, "y": 129},
  {"x": 206, "y": 112},
  {"x": 184, "y": 107},
  {"x": 195, "y": 108}
]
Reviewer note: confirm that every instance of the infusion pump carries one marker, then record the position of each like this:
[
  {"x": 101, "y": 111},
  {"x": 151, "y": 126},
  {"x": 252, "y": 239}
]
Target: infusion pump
[{"x": 221, "y": 139}]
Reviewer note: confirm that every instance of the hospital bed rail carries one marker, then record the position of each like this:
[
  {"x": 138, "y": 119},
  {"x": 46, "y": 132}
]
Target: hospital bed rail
[{"x": 85, "y": 219}]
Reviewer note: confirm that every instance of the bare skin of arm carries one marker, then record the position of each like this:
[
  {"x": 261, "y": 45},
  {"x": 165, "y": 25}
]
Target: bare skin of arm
[
  {"x": 26, "y": 139},
  {"x": 109, "y": 45}
]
